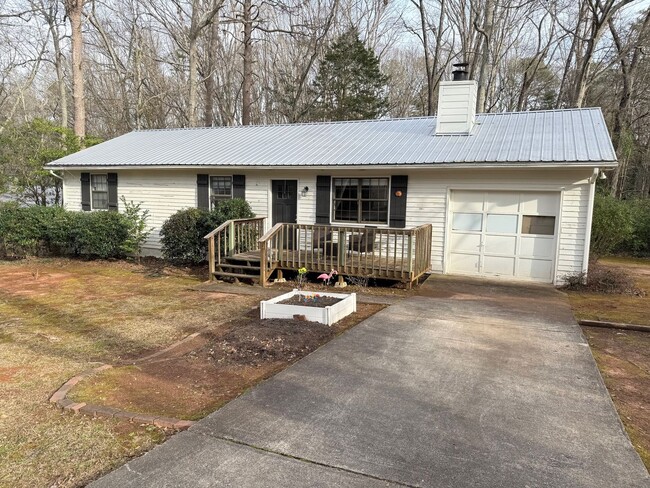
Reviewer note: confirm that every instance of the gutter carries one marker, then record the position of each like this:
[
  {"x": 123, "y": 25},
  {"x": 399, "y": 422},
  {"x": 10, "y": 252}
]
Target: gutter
[{"x": 563, "y": 165}]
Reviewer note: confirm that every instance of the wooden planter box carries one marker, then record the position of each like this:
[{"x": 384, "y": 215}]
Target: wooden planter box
[{"x": 271, "y": 309}]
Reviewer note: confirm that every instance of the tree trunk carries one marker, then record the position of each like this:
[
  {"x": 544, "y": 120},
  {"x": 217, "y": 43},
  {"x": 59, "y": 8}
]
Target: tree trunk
[
  {"x": 74, "y": 11},
  {"x": 247, "y": 82},
  {"x": 192, "y": 102},
  {"x": 58, "y": 66},
  {"x": 486, "y": 31},
  {"x": 208, "y": 115}
]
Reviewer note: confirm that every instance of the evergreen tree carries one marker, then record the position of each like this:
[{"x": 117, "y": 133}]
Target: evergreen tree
[{"x": 349, "y": 84}]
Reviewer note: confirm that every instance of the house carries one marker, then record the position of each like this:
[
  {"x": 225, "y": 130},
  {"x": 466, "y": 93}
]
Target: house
[{"x": 506, "y": 195}]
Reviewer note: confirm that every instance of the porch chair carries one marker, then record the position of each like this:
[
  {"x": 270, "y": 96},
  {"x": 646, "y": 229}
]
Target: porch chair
[
  {"x": 364, "y": 241},
  {"x": 322, "y": 239}
]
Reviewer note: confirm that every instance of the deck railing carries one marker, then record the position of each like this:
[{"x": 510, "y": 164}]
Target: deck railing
[
  {"x": 231, "y": 238},
  {"x": 397, "y": 254}
]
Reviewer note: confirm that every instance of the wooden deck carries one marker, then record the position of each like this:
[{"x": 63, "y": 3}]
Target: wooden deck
[{"x": 238, "y": 250}]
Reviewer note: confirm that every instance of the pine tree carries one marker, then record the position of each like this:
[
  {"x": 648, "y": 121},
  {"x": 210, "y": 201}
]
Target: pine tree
[{"x": 349, "y": 84}]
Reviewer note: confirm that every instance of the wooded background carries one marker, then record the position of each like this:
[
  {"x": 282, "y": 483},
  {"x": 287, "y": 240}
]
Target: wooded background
[{"x": 108, "y": 67}]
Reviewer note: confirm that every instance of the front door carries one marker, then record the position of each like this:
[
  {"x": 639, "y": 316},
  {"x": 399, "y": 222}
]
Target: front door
[{"x": 285, "y": 204}]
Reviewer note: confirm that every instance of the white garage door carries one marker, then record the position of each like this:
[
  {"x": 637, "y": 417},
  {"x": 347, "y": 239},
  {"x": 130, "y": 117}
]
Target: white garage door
[{"x": 501, "y": 233}]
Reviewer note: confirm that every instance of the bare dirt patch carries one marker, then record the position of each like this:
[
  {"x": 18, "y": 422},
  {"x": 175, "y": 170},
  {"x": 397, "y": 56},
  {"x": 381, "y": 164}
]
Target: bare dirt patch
[
  {"x": 623, "y": 358},
  {"x": 220, "y": 364},
  {"x": 314, "y": 300}
]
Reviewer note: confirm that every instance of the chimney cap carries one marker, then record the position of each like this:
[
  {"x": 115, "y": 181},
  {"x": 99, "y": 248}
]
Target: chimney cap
[{"x": 461, "y": 73}]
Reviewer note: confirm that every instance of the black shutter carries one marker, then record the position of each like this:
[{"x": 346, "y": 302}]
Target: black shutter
[
  {"x": 203, "y": 191},
  {"x": 239, "y": 186},
  {"x": 111, "y": 178},
  {"x": 85, "y": 192},
  {"x": 323, "y": 188},
  {"x": 398, "y": 185}
]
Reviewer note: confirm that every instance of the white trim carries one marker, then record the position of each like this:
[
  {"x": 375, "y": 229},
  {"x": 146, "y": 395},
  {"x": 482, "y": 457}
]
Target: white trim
[
  {"x": 445, "y": 239},
  {"x": 558, "y": 225},
  {"x": 361, "y": 224},
  {"x": 210, "y": 176},
  {"x": 92, "y": 206},
  {"x": 590, "y": 216}
]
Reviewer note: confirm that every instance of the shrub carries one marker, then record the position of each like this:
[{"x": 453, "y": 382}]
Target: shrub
[
  {"x": 37, "y": 230},
  {"x": 612, "y": 224},
  {"x": 182, "y": 235},
  {"x": 138, "y": 230},
  {"x": 620, "y": 226},
  {"x": 23, "y": 230},
  {"x": 639, "y": 242}
]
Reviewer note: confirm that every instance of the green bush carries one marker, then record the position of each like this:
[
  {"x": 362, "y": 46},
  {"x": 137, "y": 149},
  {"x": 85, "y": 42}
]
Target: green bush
[
  {"x": 612, "y": 224},
  {"x": 182, "y": 235},
  {"x": 35, "y": 231},
  {"x": 639, "y": 242},
  {"x": 23, "y": 230},
  {"x": 620, "y": 226}
]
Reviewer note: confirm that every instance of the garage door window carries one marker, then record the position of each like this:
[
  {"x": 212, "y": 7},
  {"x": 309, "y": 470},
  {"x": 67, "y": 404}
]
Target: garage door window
[
  {"x": 502, "y": 224},
  {"x": 539, "y": 225},
  {"x": 467, "y": 221}
]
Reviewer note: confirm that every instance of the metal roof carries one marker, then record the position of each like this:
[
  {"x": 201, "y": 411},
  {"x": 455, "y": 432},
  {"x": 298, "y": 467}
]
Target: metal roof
[{"x": 541, "y": 137}]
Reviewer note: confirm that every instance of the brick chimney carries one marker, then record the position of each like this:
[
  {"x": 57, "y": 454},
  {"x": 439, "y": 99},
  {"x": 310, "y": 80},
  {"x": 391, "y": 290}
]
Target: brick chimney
[{"x": 457, "y": 103}]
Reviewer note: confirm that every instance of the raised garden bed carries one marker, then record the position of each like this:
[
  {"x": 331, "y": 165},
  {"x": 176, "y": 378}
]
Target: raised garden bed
[{"x": 324, "y": 307}]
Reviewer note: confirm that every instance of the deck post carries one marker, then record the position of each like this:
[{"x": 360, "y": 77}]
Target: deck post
[
  {"x": 231, "y": 238},
  {"x": 212, "y": 266},
  {"x": 410, "y": 254},
  {"x": 263, "y": 264}
]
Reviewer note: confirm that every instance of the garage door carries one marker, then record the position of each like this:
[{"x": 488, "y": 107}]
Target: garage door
[{"x": 499, "y": 233}]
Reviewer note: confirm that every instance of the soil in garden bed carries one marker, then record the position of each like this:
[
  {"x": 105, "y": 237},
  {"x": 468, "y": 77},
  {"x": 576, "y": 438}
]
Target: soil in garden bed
[
  {"x": 191, "y": 382},
  {"x": 313, "y": 301}
]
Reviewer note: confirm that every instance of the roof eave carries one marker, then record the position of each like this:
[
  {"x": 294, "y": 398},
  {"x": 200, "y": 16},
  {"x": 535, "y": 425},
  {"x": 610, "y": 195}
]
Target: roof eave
[{"x": 502, "y": 165}]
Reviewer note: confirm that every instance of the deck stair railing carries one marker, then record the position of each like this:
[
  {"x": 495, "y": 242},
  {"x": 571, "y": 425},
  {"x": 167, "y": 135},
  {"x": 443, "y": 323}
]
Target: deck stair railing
[{"x": 233, "y": 238}]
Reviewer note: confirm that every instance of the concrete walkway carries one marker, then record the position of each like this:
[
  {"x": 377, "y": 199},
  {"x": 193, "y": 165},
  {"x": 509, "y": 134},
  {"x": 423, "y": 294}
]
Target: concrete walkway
[{"x": 471, "y": 384}]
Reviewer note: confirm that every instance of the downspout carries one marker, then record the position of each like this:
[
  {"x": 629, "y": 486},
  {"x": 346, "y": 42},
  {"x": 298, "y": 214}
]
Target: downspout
[
  {"x": 62, "y": 181},
  {"x": 590, "y": 215}
]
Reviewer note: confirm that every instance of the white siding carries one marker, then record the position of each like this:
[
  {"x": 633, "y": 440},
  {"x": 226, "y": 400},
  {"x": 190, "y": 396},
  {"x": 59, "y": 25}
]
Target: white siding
[{"x": 166, "y": 191}]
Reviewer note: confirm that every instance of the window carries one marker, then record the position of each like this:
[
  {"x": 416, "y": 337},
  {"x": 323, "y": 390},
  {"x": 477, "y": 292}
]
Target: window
[
  {"x": 467, "y": 221},
  {"x": 535, "y": 224},
  {"x": 99, "y": 191},
  {"x": 502, "y": 223},
  {"x": 220, "y": 188},
  {"x": 361, "y": 200}
]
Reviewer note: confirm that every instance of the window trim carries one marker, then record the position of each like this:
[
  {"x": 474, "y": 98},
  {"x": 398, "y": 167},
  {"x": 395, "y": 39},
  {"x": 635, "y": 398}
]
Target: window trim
[
  {"x": 333, "y": 199},
  {"x": 211, "y": 196},
  {"x": 93, "y": 191}
]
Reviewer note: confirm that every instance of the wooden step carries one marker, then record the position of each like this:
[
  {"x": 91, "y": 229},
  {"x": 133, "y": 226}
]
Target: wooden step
[
  {"x": 223, "y": 274},
  {"x": 246, "y": 267},
  {"x": 247, "y": 260}
]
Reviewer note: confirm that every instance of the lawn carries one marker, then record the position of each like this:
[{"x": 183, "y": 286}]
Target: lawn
[
  {"x": 623, "y": 356},
  {"x": 61, "y": 317}
]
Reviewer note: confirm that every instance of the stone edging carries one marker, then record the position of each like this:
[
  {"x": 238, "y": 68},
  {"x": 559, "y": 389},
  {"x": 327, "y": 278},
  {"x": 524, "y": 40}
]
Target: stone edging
[{"x": 67, "y": 405}]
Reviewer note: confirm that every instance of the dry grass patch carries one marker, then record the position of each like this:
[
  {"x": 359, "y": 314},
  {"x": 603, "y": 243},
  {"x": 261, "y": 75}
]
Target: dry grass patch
[
  {"x": 60, "y": 317},
  {"x": 631, "y": 308},
  {"x": 623, "y": 358}
]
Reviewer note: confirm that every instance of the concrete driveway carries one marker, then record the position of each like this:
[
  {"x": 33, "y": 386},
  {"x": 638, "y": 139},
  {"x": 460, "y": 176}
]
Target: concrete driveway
[{"x": 471, "y": 384}]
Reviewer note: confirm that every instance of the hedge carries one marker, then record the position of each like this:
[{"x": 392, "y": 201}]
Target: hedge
[{"x": 53, "y": 231}]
